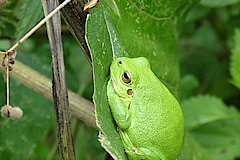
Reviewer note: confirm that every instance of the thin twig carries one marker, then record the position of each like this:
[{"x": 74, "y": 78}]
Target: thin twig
[
  {"x": 80, "y": 108},
  {"x": 38, "y": 25},
  {"x": 7, "y": 79},
  {"x": 26, "y": 36}
]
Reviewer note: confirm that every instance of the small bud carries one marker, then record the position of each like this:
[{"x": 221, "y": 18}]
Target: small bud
[
  {"x": 16, "y": 113},
  {"x": 5, "y": 111}
]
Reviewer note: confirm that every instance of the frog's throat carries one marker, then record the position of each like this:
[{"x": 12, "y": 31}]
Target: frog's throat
[{"x": 116, "y": 88}]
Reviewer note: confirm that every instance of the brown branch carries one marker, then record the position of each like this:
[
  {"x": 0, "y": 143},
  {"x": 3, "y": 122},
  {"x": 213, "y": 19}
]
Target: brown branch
[
  {"x": 60, "y": 95},
  {"x": 79, "y": 107}
]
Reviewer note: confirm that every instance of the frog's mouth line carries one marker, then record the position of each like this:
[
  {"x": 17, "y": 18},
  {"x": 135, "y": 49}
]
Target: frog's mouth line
[
  {"x": 114, "y": 85},
  {"x": 117, "y": 89}
]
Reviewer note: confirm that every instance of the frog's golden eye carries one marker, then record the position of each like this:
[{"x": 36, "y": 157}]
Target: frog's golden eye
[{"x": 126, "y": 77}]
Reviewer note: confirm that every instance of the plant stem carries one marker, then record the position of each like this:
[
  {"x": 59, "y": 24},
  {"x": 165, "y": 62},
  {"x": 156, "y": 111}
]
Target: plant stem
[
  {"x": 7, "y": 79},
  {"x": 80, "y": 107},
  {"x": 60, "y": 94}
]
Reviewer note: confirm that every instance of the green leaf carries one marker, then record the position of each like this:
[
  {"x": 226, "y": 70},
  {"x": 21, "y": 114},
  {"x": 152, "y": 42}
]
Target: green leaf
[
  {"x": 187, "y": 87},
  {"x": 198, "y": 56},
  {"x": 213, "y": 125},
  {"x": 220, "y": 138},
  {"x": 18, "y": 139},
  {"x": 86, "y": 144},
  {"x": 204, "y": 109},
  {"x": 218, "y": 3},
  {"x": 100, "y": 46},
  {"x": 149, "y": 33},
  {"x": 29, "y": 14},
  {"x": 197, "y": 12},
  {"x": 7, "y": 19},
  {"x": 78, "y": 78},
  {"x": 193, "y": 150},
  {"x": 131, "y": 29},
  {"x": 235, "y": 61}
]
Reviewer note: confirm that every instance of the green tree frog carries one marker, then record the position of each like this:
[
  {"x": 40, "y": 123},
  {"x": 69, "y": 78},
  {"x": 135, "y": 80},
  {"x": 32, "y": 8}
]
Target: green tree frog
[{"x": 148, "y": 117}]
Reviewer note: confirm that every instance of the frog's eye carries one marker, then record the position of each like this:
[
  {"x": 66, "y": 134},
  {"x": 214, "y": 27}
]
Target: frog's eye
[{"x": 126, "y": 77}]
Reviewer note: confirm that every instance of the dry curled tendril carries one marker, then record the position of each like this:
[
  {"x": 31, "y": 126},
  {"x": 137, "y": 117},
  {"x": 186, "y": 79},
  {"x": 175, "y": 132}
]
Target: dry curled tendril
[
  {"x": 7, "y": 111},
  {"x": 8, "y": 62}
]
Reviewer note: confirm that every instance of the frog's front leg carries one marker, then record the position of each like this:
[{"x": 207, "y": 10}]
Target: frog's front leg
[
  {"x": 138, "y": 153},
  {"x": 119, "y": 107}
]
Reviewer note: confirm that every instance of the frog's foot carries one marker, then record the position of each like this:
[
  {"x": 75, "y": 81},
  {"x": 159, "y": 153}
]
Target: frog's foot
[
  {"x": 118, "y": 129},
  {"x": 142, "y": 154},
  {"x": 138, "y": 153}
]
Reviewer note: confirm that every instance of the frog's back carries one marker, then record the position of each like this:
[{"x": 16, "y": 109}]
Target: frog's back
[{"x": 159, "y": 119}]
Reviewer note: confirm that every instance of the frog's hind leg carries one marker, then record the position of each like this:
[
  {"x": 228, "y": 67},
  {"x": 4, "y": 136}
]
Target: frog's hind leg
[
  {"x": 136, "y": 153},
  {"x": 144, "y": 154}
]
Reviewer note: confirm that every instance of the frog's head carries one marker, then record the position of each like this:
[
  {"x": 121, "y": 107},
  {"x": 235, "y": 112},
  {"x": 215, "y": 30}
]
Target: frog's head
[{"x": 125, "y": 74}]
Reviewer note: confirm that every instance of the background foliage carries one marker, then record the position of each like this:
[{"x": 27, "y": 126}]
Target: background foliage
[{"x": 208, "y": 39}]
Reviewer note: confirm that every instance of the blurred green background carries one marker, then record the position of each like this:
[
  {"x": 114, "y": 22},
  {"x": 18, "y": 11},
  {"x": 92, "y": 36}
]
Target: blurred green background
[{"x": 208, "y": 43}]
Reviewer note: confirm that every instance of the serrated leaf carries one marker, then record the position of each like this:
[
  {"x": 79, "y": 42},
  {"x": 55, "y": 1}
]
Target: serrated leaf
[
  {"x": 235, "y": 60},
  {"x": 218, "y": 3},
  {"x": 214, "y": 126},
  {"x": 220, "y": 138},
  {"x": 131, "y": 29},
  {"x": 203, "y": 109}
]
